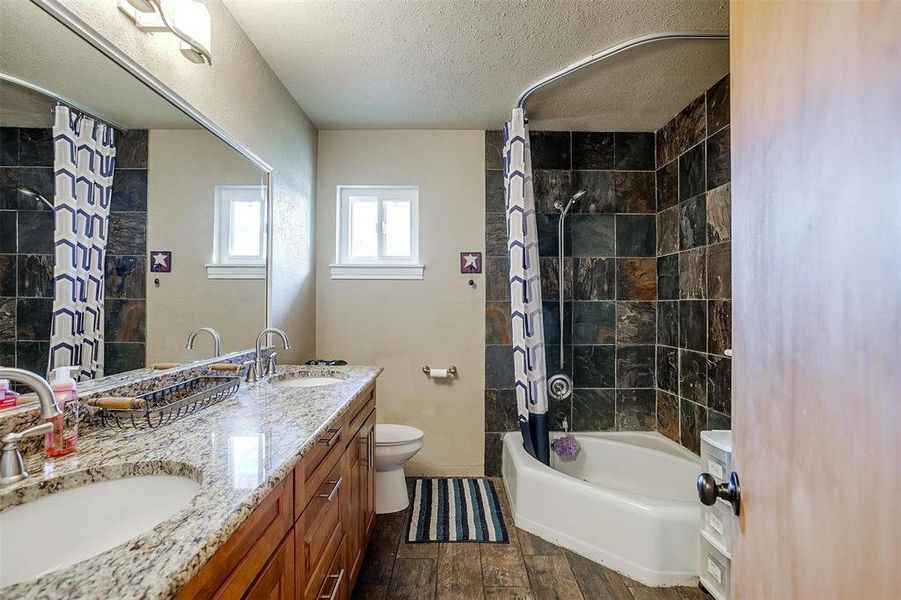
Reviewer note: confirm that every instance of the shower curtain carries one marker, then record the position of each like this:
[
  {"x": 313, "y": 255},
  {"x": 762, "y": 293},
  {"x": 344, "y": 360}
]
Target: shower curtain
[
  {"x": 84, "y": 159},
  {"x": 525, "y": 289}
]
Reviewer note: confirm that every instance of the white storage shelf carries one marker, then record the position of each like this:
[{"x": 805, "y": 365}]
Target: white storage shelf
[
  {"x": 717, "y": 521},
  {"x": 716, "y": 573}
]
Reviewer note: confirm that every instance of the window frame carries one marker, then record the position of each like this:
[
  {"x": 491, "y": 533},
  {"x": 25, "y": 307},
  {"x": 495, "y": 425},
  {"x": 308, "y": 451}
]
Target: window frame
[
  {"x": 223, "y": 264},
  {"x": 382, "y": 266}
]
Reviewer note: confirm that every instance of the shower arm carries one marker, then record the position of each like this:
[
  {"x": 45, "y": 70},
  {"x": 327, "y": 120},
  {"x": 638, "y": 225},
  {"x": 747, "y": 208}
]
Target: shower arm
[{"x": 614, "y": 50}]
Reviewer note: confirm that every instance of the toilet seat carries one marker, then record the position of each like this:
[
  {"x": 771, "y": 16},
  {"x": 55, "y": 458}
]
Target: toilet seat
[{"x": 387, "y": 434}]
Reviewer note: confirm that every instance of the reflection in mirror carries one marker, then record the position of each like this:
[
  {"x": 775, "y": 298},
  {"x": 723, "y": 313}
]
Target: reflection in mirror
[
  {"x": 180, "y": 244},
  {"x": 248, "y": 457}
]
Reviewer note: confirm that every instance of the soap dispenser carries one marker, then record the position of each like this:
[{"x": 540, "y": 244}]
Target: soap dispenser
[{"x": 62, "y": 439}]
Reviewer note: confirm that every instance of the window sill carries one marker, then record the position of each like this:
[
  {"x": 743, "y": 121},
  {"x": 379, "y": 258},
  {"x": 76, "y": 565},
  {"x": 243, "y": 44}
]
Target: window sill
[
  {"x": 236, "y": 271},
  {"x": 408, "y": 272}
]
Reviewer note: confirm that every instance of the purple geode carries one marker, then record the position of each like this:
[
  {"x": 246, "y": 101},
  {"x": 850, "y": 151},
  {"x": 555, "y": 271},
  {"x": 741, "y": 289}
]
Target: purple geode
[{"x": 567, "y": 447}]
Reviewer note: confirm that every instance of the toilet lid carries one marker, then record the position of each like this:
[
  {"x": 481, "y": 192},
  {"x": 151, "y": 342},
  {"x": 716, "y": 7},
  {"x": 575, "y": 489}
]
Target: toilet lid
[{"x": 387, "y": 434}]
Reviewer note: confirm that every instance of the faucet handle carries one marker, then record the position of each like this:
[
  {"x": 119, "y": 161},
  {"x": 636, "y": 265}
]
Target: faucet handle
[
  {"x": 271, "y": 364},
  {"x": 11, "y": 440},
  {"x": 12, "y": 465},
  {"x": 251, "y": 375}
]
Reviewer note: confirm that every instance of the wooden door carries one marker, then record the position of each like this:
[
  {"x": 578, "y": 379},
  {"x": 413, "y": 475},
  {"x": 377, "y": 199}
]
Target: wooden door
[
  {"x": 816, "y": 247},
  {"x": 276, "y": 581}
]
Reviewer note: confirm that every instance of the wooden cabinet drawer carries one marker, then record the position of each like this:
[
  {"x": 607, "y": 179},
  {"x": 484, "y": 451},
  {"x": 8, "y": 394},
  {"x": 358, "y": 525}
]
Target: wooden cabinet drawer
[
  {"x": 362, "y": 405},
  {"x": 238, "y": 562},
  {"x": 335, "y": 586},
  {"x": 276, "y": 582},
  {"x": 314, "y": 467},
  {"x": 315, "y": 580},
  {"x": 320, "y": 530},
  {"x": 360, "y": 419}
]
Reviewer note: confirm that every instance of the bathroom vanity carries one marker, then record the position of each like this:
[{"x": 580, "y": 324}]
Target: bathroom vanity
[
  {"x": 285, "y": 496},
  {"x": 308, "y": 536}
]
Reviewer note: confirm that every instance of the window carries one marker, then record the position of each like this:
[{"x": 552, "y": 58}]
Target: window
[
  {"x": 378, "y": 233},
  {"x": 239, "y": 235}
]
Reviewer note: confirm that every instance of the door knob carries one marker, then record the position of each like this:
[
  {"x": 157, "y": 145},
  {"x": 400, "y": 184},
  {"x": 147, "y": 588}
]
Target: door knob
[{"x": 709, "y": 491}]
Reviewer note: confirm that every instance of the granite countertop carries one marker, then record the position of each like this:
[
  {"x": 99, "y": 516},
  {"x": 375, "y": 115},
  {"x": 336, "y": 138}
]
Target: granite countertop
[{"x": 238, "y": 450}]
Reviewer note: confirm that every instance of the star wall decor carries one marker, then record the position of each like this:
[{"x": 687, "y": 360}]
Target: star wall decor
[
  {"x": 160, "y": 261},
  {"x": 470, "y": 262}
]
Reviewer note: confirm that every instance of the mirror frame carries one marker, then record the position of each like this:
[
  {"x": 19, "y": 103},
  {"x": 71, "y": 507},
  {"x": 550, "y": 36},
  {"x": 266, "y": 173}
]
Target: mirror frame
[{"x": 86, "y": 32}]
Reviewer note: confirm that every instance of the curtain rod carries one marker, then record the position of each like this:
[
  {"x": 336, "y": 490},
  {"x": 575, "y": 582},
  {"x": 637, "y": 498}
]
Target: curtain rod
[
  {"x": 61, "y": 99},
  {"x": 613, "y": 50}
]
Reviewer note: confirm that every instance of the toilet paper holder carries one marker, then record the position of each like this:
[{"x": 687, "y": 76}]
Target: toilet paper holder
[{"x": 451, "y": 371}]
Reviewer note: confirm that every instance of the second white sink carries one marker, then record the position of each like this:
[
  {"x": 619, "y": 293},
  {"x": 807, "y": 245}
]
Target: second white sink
[
  {"x": 64, "y": 528},
  {"x": 302, "y": 382}
]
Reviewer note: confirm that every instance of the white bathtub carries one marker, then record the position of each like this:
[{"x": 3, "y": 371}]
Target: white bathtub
[{"x": 628, "y": 502}]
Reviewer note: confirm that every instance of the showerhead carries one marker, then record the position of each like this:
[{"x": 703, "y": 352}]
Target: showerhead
[
  {"x": 34, "y": 194},
  {"x": 575, "y": 198}
]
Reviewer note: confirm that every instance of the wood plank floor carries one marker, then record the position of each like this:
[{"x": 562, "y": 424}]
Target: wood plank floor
[{"x": 528, "y": 568}]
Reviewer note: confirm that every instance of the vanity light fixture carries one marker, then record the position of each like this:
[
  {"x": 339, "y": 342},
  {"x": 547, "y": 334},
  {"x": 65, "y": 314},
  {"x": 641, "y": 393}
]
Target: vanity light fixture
[{"x": 188, "y": 20}]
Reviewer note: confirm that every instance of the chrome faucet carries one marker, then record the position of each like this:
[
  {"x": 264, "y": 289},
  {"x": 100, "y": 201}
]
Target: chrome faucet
[
  {"x": 217, "y": 341},
  {"x": 258, "y": 369},
  {"x": 12, "y": 466}
]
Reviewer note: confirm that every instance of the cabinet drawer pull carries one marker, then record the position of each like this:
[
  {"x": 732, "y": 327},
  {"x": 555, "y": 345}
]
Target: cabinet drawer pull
[
  {"x": 331, "y": 495},
  {"x": 369, "y": 445},
  {"x": 334, "y": 438},
  {"x": 337, "y": 587}
]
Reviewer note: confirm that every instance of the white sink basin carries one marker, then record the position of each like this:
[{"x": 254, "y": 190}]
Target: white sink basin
[
  {"x": 302, "y": 382},
  {"x": 64, "y": 528}
]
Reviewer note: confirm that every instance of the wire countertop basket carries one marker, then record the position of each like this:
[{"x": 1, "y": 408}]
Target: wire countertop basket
[{"x": 171, "y": 403}]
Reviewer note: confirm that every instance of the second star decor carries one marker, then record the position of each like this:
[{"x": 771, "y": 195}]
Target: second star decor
[{"x": 470, "y": 262}]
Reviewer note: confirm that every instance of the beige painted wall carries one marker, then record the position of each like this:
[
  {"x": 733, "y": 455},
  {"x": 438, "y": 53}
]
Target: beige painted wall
[
  {"x": 243, "y": 96},
  {"x": 403, "y": 325},
  {"x": 184, "y": 168}
]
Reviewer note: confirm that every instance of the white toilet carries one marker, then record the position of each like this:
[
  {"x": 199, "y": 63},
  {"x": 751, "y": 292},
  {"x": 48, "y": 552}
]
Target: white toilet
[{"x": 394, "y": 446}]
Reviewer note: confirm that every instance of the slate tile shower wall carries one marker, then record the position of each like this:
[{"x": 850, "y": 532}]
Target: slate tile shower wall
[
  {"x": 610, "y": 282},
  {"x": 26, "y": 252},
  {"x": 694, "y": 308}
]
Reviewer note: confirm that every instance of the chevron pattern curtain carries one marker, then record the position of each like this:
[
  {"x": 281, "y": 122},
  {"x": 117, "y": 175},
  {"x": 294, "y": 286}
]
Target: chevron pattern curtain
[
  {"x": 84, "y": 160},
  {"x": 525, "y": 289}
]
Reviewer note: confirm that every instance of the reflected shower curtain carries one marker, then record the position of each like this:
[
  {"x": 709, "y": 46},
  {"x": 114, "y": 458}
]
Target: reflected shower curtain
[
  {"x": 525, "y": 289},
  {"x": 84, "y": 157}
]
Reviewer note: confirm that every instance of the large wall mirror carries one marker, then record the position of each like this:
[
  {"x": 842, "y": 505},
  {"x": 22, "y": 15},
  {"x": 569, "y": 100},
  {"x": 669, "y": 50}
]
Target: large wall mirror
[{"x": 186, "y": 229}]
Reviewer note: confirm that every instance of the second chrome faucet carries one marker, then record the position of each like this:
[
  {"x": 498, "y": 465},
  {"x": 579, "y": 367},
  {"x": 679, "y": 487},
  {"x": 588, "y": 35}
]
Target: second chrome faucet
[{"x": 257, "y": 369}]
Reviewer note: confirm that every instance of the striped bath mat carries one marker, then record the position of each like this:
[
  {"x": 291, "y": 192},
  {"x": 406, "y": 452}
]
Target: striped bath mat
[{"x": 456, "y": 510}]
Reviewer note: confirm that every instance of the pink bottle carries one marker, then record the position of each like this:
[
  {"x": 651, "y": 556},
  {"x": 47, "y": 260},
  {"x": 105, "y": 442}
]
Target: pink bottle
[
  {"x": 61, "y": 441},
  {"x": 8, "y": 398}
]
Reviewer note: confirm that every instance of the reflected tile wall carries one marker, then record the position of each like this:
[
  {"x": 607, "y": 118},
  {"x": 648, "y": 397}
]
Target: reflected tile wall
[
  {"x": 694, "y": 272},
  {"x": 26, "y": 251}
]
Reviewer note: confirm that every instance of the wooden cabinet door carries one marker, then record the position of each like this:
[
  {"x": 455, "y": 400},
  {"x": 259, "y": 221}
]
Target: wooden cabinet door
[
  {"x": 276, "y": 581},
  {"x": 367, "y": 479},
  {"x": 354, "y": 545},
  {"x": 362, "y": 474},
  {"x": 816, "y": 246}
]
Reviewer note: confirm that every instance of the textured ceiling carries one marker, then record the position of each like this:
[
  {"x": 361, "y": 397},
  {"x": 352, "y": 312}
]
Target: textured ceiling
[
  {"x": 376, "y": 64},
  {"x": 39, "y": 49}
]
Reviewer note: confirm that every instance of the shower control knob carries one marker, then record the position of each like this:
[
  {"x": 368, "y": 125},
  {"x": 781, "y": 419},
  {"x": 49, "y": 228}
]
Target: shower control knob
[
  {"x": 709, "y": 490},
  {"x": 560, "y": 386}
]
